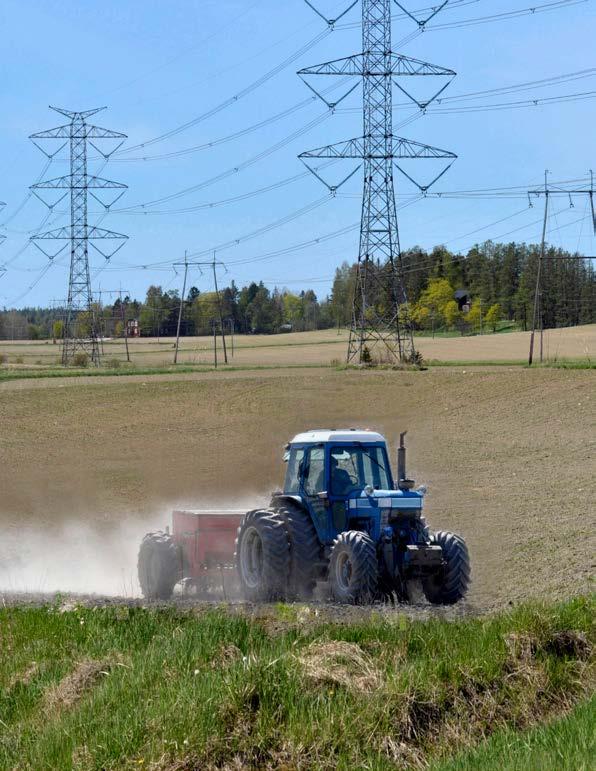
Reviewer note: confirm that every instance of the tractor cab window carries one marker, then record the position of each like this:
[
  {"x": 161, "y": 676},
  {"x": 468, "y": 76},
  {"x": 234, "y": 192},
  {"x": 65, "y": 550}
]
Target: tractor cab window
[
  {"x": 314, "y": 471},
  {"x": 295, "y": 464},
  {"x": 353, "y": 468}
]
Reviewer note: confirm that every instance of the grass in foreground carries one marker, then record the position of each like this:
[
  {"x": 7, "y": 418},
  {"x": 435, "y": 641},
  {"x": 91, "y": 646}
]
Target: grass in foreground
[
  {"x": 121, "y": 687},
  {"x": 565, "y": 744}
]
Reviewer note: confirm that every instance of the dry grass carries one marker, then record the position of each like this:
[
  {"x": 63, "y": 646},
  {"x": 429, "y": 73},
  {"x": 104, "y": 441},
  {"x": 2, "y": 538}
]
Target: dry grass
[
  {"x": 321, "y": 347},
  {"x": 76, "y": 684},
  {"x": 340, "y": 663}
]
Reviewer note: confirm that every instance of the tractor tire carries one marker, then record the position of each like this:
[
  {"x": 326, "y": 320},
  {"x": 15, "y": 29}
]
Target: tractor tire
[
  {"x": 451, "y": 584},
  {"x": 305, "y": 548},
  {"x": 263, "y": 556},
  {"x": 159, "y": 566},
  {"x": 354, "y": 568}
]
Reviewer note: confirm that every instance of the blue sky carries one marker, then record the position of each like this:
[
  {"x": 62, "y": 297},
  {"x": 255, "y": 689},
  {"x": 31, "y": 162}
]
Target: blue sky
[{"x": 158, "y": 65}]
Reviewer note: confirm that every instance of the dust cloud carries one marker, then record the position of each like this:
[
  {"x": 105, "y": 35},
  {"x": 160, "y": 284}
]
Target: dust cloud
[
  {"x": 84, "y": 556},
  {"x": 74, "y": 556}
]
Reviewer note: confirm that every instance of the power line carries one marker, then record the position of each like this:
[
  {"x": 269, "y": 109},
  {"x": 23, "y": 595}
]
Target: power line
[
  {"x": 529, "y": 11},
  {"x": 453, "y": 5},
  {"x": 234, "y": 170},
  {"x": 228, "y": 137},
  {"x": 536, "y": 102},
  {"x": 223, "y": 28},
  {"x": 29, "y": 195},
  {"x": 230, "y": 100}
]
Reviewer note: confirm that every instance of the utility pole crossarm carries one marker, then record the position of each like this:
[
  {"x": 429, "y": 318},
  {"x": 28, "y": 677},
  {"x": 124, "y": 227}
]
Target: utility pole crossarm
[
  {"x": 398, "y": 66},
  {"x": 68, "y": 181},
  {"x": 399, "y": 147}
]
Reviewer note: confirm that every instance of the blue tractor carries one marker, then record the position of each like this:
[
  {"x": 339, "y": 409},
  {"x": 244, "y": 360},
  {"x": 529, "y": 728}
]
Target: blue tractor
[{"x": 342, "y": 519}]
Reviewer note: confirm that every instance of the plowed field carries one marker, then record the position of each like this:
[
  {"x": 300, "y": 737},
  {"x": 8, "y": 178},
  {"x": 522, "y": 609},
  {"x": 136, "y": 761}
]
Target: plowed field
[{"x": 87, "y": 466}]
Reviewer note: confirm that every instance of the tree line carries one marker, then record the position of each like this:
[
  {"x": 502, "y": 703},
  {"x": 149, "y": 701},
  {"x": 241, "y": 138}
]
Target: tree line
[{"x": 499, "y": 279}]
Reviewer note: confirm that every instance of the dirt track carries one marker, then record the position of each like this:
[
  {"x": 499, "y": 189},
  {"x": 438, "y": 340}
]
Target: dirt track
[{"x": 507, "y": 454}]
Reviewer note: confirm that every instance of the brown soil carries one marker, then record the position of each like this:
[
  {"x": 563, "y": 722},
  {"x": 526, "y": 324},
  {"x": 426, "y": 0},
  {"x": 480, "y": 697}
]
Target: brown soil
[{"x": 507, "y": 454}]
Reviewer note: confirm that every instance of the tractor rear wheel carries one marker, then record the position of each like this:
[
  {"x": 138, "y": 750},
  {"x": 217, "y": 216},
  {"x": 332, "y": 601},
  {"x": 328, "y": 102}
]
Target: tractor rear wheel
[
  {"x": 263, "y": 556},
  {"x": 354, "y": 568},
  {"x": 159, "y": 566},
  {"x": 305, "y": 548},
  {"x": 451, "y": 584}
]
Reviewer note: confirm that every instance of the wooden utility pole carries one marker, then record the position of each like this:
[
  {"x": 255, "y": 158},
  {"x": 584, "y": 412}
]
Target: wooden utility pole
[
  {"x": 537, "y": 310},
  {"x": 214, "y": 325},
  {"x": 212, "y": 264},
  {"x": 221, "y": 320},
  {"x": 537, "y": 317},
  {"x": 125, "y": 326},
  {"x": 182, "y": 296}
]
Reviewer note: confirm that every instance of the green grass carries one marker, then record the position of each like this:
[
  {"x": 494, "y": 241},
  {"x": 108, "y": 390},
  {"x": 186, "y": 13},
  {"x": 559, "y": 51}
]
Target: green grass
[
  {"x": 566, "y": 744},
  {"x": 202, "y": 689},
  {"x": 126, "y": 371},
  {"x": 554, "y": 364}
]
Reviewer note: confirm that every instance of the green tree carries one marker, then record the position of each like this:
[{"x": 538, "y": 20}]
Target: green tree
[
  {"x": 293, "y": 310},
  {"x": 435, "y": 297},
  {"x": 119, "y": 329},
  {"x": 421, "y": 316},
  {"x": 342, "y": 294},
  {"x": 493, "y": 315},
  {"x": 474, "y": 315},
  {"x": 58, "y": 330},
  {"x": 205, "y": 311},
  {"x": 451, "y": 313}
]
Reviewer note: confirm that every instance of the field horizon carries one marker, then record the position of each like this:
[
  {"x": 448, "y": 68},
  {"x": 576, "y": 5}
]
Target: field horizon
[{"x": 320, "y": 348}]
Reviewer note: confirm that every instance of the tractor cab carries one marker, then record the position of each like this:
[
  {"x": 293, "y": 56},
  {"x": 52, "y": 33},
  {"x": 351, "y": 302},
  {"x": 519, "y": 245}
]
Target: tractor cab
[{"x": 344, "y": 478}]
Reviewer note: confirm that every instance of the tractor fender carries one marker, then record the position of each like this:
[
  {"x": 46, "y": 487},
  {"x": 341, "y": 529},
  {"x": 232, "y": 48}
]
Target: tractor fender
[{"x": 276, "y": 498}]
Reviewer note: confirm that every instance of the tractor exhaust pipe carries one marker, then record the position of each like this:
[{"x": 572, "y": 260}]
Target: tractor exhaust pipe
[
  {"x": 403, "y": 482},
  {"x": 401, "y": 458}
]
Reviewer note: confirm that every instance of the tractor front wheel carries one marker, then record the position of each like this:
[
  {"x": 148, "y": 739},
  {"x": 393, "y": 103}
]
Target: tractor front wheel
[
  {"x": 159, "y": 566},
  {"x": 353, "y": 568},
  {"x": 451, "y": 584},
  {"x": 263, "y": 556}
]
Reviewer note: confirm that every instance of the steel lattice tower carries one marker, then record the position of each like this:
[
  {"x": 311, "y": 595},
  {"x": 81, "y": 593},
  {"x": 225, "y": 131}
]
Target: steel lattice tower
[
  {"x": 80, "y": 324},
  {"x": 380, "y": 316}
]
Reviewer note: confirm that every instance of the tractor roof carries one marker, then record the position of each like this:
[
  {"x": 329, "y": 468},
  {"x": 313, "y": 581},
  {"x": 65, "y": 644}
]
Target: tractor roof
[{"x": 318, "y": 435}]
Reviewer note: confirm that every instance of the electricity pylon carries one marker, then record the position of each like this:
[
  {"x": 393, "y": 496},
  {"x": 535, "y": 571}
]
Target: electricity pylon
[
  {"x": 80, "y": 324},
  {"x": 380, "y": 315}
]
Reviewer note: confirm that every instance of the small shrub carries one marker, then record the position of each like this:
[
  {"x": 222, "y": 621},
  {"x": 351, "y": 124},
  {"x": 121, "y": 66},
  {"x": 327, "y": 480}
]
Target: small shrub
[
  {"x": 19, "y": 360},
  {"x": 81, "y": 359},
  {"x": 3, "y": 358},
  {"x": 113, "y": 363}
]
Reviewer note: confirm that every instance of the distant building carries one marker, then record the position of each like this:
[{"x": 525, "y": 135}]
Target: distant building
[
  {"x": 132, "y": 328},
  {"x": 463, "y": 299}
]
